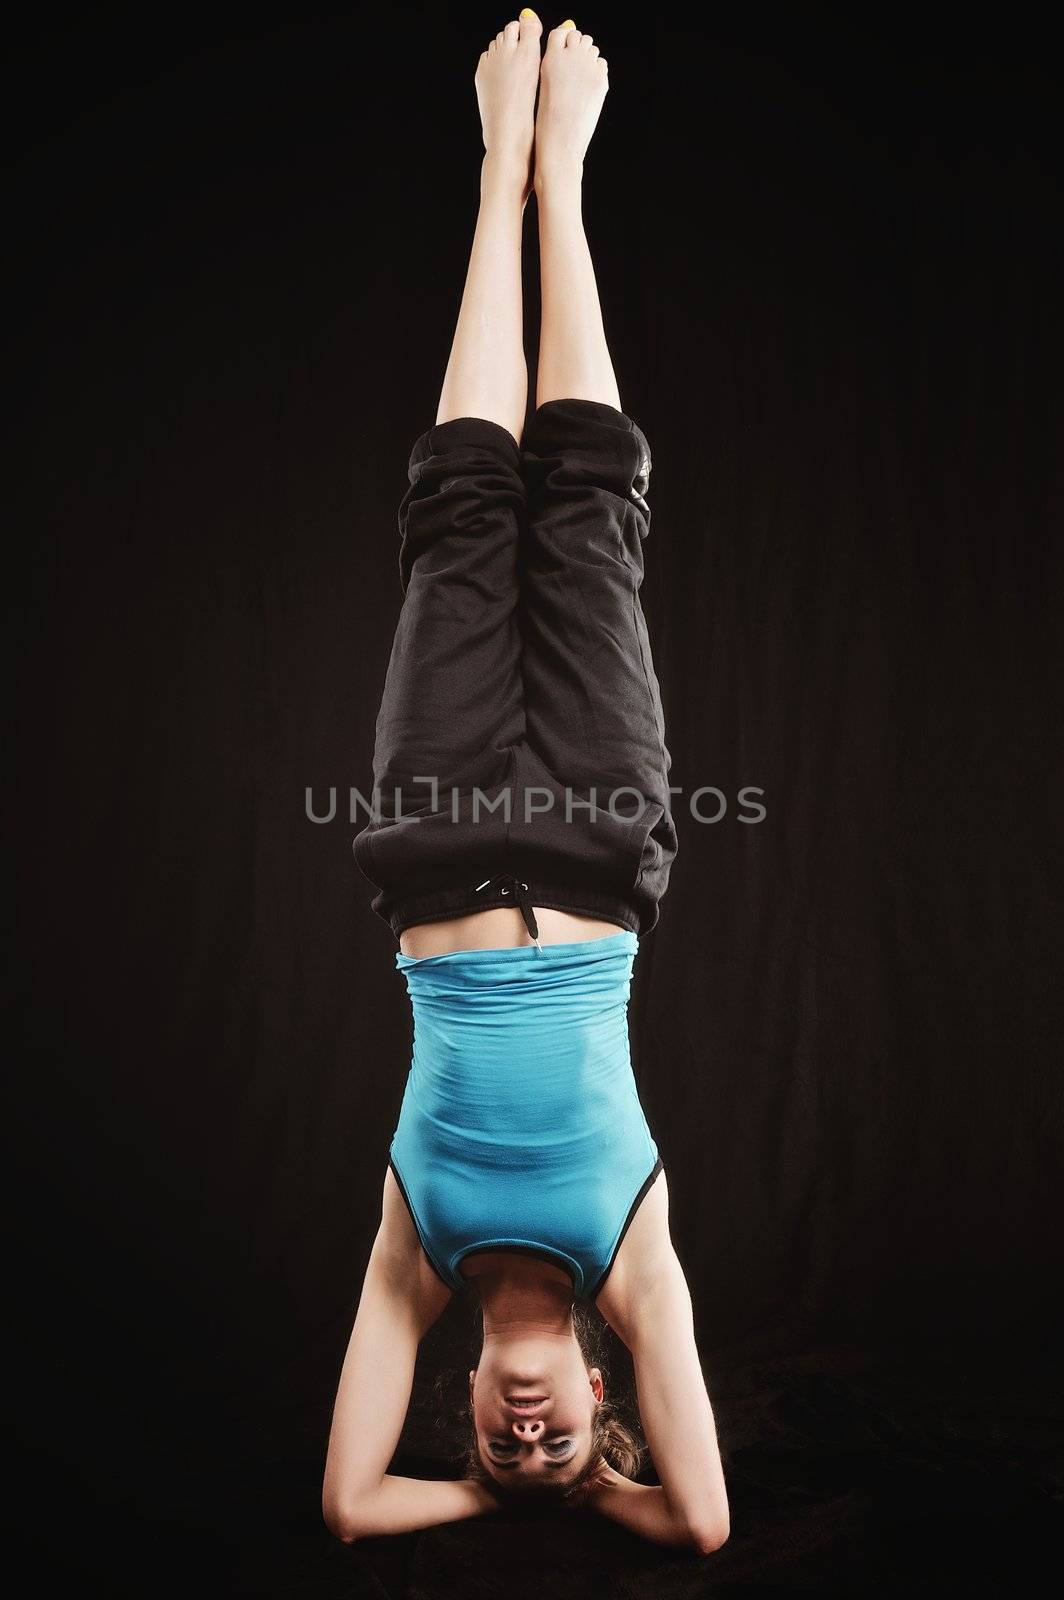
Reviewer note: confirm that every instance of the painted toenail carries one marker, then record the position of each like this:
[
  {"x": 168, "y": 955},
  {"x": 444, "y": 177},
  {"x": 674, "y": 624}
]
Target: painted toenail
[
  {"x": 569, "y": 23},
  {"x": 527, "y": 12}
]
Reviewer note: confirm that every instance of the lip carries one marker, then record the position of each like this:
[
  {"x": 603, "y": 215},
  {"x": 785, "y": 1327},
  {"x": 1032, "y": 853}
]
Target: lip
[{"x": 526, "y": 1407}]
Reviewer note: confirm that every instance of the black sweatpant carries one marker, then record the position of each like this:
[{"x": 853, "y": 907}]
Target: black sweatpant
[{"x": 520, "y": 745}]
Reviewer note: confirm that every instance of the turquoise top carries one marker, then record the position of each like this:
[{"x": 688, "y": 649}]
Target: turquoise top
[{"x": 521, "y": 1128}]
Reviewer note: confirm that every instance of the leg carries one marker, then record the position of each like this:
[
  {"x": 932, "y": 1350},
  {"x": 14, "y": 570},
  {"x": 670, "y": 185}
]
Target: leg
[
  {"x": 452, "y": 706},
  {"x": 574, "y": 360},
  {"x": 487, "y": 375},
  {"x": 592, "y": 701}
]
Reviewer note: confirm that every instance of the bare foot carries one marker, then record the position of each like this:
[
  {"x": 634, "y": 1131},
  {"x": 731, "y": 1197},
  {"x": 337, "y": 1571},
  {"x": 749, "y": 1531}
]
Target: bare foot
[
  {"x": 573, "y": 81},
  {"x": 506, "y": 79}
]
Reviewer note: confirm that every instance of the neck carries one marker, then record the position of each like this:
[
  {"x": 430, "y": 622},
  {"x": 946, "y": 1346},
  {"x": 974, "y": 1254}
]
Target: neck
[{"x": 516, "y": 1298}]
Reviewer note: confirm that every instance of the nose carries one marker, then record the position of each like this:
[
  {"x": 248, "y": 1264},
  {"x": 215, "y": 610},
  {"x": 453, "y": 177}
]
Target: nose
[{"x": 528, "y": 1429}]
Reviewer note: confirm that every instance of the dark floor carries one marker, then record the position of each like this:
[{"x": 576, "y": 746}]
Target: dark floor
[{"x": 846, "y": 1476}]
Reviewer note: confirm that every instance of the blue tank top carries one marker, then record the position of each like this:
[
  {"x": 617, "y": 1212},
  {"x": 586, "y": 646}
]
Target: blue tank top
[{"x": 521, "y": 1127}]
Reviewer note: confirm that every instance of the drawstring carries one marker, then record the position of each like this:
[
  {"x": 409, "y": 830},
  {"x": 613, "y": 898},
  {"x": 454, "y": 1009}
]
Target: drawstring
[{"x": 508, "y": 883}]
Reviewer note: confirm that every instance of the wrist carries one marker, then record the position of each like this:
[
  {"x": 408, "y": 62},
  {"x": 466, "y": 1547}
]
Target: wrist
[
  {"x": 607, "y": 1484},
  {"x": 481, "y": 1495}
]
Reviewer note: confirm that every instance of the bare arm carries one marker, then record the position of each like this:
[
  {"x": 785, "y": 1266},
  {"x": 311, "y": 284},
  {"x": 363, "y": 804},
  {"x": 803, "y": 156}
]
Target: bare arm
[
  {"x": 676, "y": 1412},
  {"x": 360, "y": 1497},
  {"x": 646, "y": 1301},
  {"x": 642, "y": 1507}
]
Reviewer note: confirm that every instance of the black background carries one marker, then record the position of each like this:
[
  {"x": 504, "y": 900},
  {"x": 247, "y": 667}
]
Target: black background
[{"x": 829, "y": 256}]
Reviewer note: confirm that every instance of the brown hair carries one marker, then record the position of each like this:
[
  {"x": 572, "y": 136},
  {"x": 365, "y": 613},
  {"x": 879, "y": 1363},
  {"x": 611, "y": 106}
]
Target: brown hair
[{"x": 615, "y": 1439}]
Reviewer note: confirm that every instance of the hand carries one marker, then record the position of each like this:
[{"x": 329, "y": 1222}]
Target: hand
[
  {"x": 480, "y": 1495},
  {"x": 606, "y": 1478}
]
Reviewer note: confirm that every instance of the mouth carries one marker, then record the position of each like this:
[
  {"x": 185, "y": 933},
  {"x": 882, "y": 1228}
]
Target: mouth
[{"x": 526, "y": 1405}]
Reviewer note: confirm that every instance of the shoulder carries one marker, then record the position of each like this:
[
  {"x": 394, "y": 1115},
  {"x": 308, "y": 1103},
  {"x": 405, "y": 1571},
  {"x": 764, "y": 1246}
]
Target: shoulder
[{"x": 645, "y": 1254}]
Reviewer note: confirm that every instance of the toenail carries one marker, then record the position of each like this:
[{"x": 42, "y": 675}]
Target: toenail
[
  {"x": 569, "y": 23},
  {"x": 527, "y": 12}
]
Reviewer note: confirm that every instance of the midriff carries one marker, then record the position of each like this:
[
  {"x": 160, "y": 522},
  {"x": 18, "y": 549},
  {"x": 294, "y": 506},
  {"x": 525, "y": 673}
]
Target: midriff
[{"x": 500, "y": 928}]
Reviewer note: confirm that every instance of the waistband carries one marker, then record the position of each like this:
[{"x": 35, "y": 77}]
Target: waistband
[{"x": 508, "y": 889}]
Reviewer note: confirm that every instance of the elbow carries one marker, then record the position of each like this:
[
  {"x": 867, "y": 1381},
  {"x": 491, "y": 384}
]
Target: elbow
[
  {"x": 341, "y": 1520},
  {"x": 709, "y": 1534}
]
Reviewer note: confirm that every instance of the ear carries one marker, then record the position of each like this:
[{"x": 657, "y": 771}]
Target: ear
[
  {"x": 595, "y": 1379},
  {"x": 472, "y": 1377}
]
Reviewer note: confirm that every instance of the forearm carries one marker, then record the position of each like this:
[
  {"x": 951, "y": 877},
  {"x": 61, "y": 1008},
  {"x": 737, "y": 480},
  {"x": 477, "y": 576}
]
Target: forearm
[
  {"x": 401, "y": 1505},
  {"x": 644, "y": 1508}
]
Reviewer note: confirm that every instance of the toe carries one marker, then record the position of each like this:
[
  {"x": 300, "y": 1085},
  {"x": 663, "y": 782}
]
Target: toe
[
  {"x": 511, "y": 33},
  {"x": 531, "y": 26},
  {"x": 573, "y": 35},
  {"x": 556, "y": 38}
]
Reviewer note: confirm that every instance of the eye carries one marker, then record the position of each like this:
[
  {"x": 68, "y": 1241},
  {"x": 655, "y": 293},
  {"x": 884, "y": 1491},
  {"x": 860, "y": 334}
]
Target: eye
[
  {"x": 500, "y": 1448},
  {"x": 559, "y": 1447}
]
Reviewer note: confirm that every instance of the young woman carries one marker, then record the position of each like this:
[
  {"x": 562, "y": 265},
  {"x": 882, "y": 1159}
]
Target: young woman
[{"x": 525, "y": 845}]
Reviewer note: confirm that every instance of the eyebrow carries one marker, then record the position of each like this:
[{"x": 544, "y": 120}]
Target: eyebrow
[{"x": 552, "y": 1466}]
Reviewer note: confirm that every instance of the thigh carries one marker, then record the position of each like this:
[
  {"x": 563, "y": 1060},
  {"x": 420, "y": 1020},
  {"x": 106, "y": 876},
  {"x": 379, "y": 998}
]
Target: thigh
[
  {"x": 453, "y": 703},
  {"x": 593, "y": 705}
]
